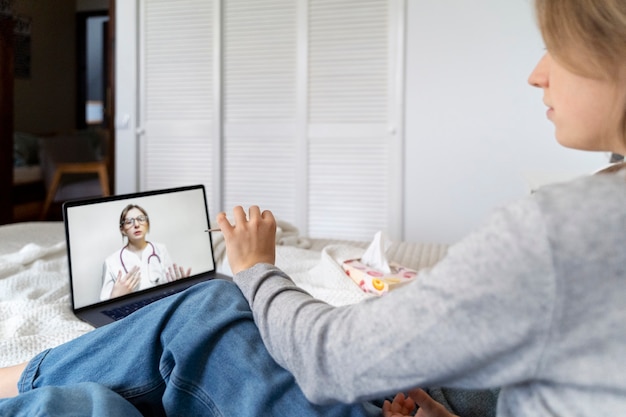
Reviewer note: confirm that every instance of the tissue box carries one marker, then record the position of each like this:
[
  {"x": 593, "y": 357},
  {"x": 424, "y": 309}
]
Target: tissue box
[{"x": 375, "y": 281}]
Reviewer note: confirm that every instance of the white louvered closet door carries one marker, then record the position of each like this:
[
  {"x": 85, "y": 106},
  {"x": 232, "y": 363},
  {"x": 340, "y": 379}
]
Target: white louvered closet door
[
  {"x": 354, "y": 150},
  {"x": 259, "y": 111},
  {"x": 310, "y": 113},
  {"x": 289, "y": 104},
  {"x": 176, "y": 84}
]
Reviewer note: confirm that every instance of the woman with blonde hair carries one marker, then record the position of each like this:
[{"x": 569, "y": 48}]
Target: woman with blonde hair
[{"x": 534, "y": 302}]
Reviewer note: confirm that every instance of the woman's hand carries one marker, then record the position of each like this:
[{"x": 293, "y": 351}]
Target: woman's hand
[
  {"x": 176, "y": 272},
  {"x": 402, "y": 406},
  {"x": 251, "y": 240},
  {"x": 125, "y": 284}
]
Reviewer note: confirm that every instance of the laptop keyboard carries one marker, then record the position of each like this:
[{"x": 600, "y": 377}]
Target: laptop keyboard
[{"x": 123, "y": 311}]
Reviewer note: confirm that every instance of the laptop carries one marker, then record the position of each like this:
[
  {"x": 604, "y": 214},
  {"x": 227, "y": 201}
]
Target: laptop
[{"x": 122, "y": 250}]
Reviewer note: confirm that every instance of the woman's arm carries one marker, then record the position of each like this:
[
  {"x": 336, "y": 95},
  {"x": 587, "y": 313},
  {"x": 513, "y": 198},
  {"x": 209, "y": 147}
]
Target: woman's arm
[{"x": 475, "y": 320}]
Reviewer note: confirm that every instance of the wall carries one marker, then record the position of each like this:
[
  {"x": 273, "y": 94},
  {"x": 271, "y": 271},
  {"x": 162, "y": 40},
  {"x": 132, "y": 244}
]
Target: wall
[
  {"x": 476, "y": 132},
  {"x": 45, "y": 102},
  {"x": 126, "y": 158}
]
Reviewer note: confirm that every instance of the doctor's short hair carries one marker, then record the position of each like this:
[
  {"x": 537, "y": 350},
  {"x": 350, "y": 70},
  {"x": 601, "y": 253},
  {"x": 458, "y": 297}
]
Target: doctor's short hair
[{"x": 129, "y": 208}]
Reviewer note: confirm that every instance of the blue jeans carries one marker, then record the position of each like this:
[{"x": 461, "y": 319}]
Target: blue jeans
[
  {"x": 86, "y": 399},
  {"x": 195, "y": 353}
]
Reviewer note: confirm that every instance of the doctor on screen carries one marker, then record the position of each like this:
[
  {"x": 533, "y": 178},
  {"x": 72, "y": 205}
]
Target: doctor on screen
[{"x": 139, "y": 264}]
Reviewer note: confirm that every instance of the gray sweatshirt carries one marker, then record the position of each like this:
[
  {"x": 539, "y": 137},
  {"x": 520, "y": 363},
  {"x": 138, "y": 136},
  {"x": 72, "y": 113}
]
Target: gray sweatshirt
[{"x": 533, "y": 302}]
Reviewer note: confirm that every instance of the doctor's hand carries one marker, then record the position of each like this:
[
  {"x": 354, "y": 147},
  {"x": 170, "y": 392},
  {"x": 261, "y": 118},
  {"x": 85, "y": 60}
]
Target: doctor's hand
[
  {"x": 125, "y": 284},
  {"x": 251, "y": 240},
  {"x": 176, "y": 272}
]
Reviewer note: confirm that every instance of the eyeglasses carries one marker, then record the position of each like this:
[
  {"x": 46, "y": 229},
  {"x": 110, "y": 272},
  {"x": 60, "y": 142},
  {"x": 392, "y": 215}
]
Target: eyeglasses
[{"x": 131, "y": 221}]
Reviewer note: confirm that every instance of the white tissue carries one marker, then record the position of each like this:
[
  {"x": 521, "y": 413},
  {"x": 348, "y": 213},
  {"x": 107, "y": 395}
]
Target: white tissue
[{"x": 375, "y": 255}]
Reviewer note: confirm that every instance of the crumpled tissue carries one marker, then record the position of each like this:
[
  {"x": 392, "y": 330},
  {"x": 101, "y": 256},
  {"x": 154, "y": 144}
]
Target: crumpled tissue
[
  {"x": 373, "y": 272},
  {"x": 375, "y": 256}
]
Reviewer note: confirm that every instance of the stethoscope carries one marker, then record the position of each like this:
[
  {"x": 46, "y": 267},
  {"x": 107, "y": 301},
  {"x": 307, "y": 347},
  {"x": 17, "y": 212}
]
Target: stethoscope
[{"x": 152, "y": 255}]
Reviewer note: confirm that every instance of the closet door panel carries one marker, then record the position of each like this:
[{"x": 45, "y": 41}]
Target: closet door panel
[
  {"x": 260, "y": 169},
  {"x": 347, "y": 182},
  {"x": 259, "y": 104},
  {"x": 176, "y": 80},
  {"x": 348, "y": 116}
]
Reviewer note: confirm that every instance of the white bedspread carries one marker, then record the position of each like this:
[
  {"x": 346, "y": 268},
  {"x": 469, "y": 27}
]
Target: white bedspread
[
  {"x": 35, "y": 305},
  {"x": 35, "y": 301}
]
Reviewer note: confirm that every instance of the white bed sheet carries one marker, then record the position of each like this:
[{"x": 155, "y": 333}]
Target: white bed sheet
[
  {"x": 35, "y": 301},
  {"x": 35, "y": 305}
]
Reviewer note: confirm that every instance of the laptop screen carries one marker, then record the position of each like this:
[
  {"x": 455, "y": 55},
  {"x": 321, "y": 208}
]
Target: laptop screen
[{"x": 131, "y": 243}]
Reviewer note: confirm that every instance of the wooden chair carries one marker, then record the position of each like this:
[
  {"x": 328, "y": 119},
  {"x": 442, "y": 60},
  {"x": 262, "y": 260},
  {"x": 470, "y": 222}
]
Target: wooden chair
[{"x": 73, "y": 167}]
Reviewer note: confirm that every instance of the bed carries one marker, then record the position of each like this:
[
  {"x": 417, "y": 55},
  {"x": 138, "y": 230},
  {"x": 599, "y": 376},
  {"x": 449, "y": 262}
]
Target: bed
[{"x": 35, "y": 304}]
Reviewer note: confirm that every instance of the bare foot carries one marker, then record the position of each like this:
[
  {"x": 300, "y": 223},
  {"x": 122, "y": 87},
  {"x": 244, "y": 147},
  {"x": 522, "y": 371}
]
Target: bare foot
[{"x": 8, "y": 379}]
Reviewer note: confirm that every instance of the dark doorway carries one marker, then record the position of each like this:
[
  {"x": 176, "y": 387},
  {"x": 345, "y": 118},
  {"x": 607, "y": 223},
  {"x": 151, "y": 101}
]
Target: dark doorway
[
  {"x": 95, "y": 99},
  {"x": 92, "y": 59}
]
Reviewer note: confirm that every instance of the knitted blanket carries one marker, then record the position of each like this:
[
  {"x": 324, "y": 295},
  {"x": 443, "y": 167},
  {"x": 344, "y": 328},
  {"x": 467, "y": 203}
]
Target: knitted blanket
[
  {"x": 35, "y": 311},
  {"x": 35, "y": 304}
]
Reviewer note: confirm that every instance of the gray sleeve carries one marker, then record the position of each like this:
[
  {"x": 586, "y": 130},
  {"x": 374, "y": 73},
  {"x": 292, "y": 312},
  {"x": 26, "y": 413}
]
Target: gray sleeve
[{"x": 478, "y": 319}]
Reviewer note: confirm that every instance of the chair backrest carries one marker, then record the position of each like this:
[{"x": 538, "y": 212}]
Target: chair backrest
[{"x": 70, "y": 148}]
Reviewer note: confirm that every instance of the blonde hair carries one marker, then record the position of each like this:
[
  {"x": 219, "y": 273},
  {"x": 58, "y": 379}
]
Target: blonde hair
[{"x": 588, "y": 36}]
